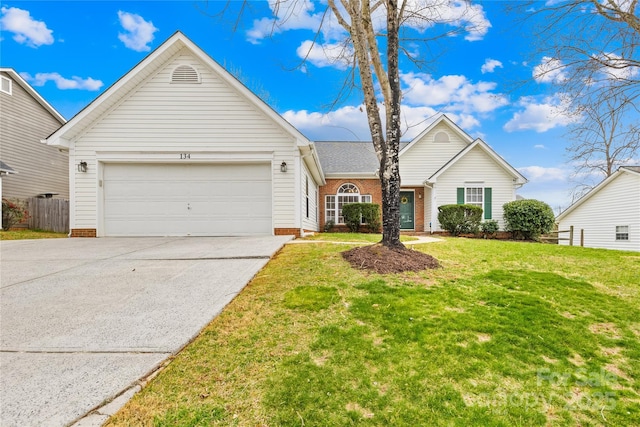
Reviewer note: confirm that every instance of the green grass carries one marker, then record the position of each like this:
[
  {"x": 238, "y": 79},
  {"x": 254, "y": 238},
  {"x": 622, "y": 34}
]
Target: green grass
[
  {"x": 354, "y": 237},
  {"x": 16, "y": 234},
  {"x": 505, "y": 334}
]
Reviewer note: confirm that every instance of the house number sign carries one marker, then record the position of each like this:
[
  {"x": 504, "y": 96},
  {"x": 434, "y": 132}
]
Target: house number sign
[{"x": 184, "y": 156}]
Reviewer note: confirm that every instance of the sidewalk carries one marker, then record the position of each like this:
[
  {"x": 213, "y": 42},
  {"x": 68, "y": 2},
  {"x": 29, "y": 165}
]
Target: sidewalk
[{"x": 420, "y": 240}]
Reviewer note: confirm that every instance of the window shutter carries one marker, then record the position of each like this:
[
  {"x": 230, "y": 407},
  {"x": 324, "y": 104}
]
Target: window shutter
[
  {"x": 487, "y": 203},
  {"x": 461, "y": 196}
]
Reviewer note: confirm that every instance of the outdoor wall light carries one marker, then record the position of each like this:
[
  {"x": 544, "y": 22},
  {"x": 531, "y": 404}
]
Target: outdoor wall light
[
  {"x": 82, "y": 166},
  {"x": 283, "y": 167}
]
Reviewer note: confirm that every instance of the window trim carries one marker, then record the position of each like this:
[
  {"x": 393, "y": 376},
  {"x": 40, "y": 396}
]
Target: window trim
[
  {"x": 10, "y": 91},
  {"x": 333, "y": 214},
  {"x": 466, "y": 194},
  {"x": 622, "y": 233}
]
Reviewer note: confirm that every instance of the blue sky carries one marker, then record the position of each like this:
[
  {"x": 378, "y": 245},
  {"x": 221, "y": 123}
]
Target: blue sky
[{"x": 71, "y": 51}]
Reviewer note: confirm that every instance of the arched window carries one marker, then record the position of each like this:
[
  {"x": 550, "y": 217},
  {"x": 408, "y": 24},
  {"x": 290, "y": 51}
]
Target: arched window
[{"x": 347, "y": 193}]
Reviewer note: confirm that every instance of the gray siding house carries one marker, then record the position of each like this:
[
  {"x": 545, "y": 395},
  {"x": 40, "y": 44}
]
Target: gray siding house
[{"x": 25, "y": 120}]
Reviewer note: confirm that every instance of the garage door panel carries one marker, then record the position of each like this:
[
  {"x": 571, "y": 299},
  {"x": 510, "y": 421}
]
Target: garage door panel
[{"x": 187, "y": 199}]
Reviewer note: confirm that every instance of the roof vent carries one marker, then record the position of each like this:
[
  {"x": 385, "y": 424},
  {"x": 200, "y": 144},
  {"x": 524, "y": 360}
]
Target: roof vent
[
  {"x": 185, "y": 74},
  {"x": 441, "y": 137}
]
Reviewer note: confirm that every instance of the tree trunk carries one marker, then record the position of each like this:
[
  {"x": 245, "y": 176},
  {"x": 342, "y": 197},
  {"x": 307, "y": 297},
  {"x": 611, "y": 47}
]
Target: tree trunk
[{"x": 389, "y": 164}]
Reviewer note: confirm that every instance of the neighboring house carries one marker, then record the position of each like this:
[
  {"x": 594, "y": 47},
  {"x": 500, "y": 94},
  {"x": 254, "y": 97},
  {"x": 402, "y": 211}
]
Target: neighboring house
[
  {"x": 178, "y": 146},
  {"x": 5, "y": 170},
  {"x": 25, "y": 120},
  {"x": 609, "y": 214},
  {"x": 443, "y": 165}
]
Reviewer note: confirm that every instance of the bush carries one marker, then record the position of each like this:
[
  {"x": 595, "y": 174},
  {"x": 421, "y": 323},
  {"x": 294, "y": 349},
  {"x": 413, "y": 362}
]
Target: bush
[
  {"x": 489, "y": 227},
  {"x": 356, "y": 213},
  {"x": 328, "y": 226},
  {"x": 528, "y": 219},
  {"x": 460, "y": 219},
  {"x": 12, "y": 214}
]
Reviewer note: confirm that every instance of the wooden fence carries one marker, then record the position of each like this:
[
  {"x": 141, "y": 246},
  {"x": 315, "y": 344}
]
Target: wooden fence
[
  {"x": 48, "y": 214},
  {"x": 554, "y": 236}
]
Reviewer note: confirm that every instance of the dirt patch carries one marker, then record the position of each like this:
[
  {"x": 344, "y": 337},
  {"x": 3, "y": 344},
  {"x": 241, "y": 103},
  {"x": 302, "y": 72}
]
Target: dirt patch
[
  {"x": 365, "y": 413},
  {"x": 607, "y": 329},
  {"x": 484, "y": 338},
  {"x": 384, "y": 260},
  {"x": 576, "y": 359}
]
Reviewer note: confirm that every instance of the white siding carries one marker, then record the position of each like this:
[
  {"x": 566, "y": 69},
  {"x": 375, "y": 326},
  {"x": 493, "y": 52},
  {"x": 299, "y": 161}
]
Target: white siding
[
  {"x": 618, "y": 203},
  {"x": 425, "y": 157},
  {"x": 206, "y": 118},
  {"x": 476, "y": 166},
  {"x": 310, "y": 222}
]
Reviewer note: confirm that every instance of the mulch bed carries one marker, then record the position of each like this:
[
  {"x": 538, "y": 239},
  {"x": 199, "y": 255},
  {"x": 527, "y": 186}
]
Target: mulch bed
[{"x": 384, "y": 260}]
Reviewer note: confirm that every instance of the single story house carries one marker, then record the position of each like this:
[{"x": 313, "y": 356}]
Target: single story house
[
  {"x": 609, "y": 214},
  {"x": 443, "y": 165},
  {"x": 178, "y": 146}
]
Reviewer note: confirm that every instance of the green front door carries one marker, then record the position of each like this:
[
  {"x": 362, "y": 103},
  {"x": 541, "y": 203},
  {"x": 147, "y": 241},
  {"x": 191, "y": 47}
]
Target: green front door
[{"x": 406, "y": 210}]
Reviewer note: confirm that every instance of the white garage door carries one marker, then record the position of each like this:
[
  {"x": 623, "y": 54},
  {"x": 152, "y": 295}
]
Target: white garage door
[{"x": 187, "y": 199}]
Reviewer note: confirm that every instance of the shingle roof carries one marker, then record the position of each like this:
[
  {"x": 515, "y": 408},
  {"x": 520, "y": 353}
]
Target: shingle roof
[
  {"x": 348, "y": 156},
  {"x": 5, "y": 168}
]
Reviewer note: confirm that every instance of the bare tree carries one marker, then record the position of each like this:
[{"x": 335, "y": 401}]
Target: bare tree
[
  {"x": 366, "y": 23},
  {"x": 589, "y": 48},
  {"x": 604, "y": 140}
]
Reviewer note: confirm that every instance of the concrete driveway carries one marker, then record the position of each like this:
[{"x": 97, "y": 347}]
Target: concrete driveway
[{"x": 82, "y": 320}]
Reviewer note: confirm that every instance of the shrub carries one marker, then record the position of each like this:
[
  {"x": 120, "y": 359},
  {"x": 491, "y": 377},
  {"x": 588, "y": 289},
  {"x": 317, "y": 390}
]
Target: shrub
[
  {"x": 328, "y": 226},
  {"x": 356, "y": 213},
  {"x": 489, "y": 227},
  {"x": 528, "y": 219},
  {"x": 459, "y": 219},
  {"x": 12, "y": 214}
]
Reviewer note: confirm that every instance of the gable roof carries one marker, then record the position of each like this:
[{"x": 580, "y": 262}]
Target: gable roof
[
  {"x": 632, "y": 170},
  {"x": 488, "y": 150},
  {"x": 150, "y": 64},
  {"x": 349, "y": 157},
  {"x": 442, "y": 118},
  {"x": 34, "y": 94},
  {"x": 5, "y": 169}
]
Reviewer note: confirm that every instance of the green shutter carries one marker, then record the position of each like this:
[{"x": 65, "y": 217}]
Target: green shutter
[
  {"x": 461, "y": 196},
  {"x": 487, "y": 203}
]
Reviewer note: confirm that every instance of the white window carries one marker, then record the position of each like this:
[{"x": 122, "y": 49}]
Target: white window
[
  {"x": 347, "y": 193},
  {"x": 622, "y": 232},
  {"x": 5, "y": 85},
  {"x": 473, "y": 196},
  {"x": 306, "y": 192}
]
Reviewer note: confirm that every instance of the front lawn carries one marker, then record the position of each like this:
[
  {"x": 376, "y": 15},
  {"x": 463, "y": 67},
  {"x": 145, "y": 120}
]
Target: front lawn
[
  {"x": 505, "y": 334},
  {"x": 23, "y": 234},
  {"x": 354, "y": 237}
]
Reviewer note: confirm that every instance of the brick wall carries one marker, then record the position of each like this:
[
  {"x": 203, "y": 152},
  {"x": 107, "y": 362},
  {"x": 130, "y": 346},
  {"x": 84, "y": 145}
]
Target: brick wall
[
  {"x": 83, "y": 232},
  {"x": 372, "y": 187},
  {"x": 366, "y": 187},
  {"x": 287, "y": 232}
]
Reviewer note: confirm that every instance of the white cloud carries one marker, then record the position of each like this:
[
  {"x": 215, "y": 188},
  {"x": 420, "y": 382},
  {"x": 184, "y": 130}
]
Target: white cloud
[
  {"x": 542, "y": 116},
  {"x": 490, "y": 65},
  {"x": 326, "y": 55},
  {"x": 350, "y": 122},
  {"x": 40, "y": 79},
  {"x": 139, "y": 33},
  {"x": 26, "y": 30},
  {"x": 302, "y": 15},
  {"x": 544, "y": 174},
  {"x": 289, "y": 15},
  {"x": 550, "y": 70},
  {"x": 540, "y": 147},
  {"x": 617, "y": 67},
  {"x": 454, "y": 93}
]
